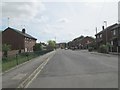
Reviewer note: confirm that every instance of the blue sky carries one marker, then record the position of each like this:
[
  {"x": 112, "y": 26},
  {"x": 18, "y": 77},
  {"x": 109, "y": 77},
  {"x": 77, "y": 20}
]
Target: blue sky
[{"x": 63, "y": 20}]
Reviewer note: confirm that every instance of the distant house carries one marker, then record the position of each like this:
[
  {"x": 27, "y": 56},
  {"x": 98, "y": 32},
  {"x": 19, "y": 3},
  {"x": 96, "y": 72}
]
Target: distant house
[
  {"x": 61, "y": 45},
  {"x": 108, "y": 35},
  {"x": 85, "y": 42},
  {"x": 81, "y": 42},
  {"x": 75, "y": 43},
  {"x": 19, "y": 40}
]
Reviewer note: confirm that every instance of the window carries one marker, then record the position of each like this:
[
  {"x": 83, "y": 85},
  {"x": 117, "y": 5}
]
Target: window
[
  {"x": 100, "y": 35},
  {"x": 111, "y": 42},
  {"x": 97, "y": 36},
  {"x": 114, "y": 32}
]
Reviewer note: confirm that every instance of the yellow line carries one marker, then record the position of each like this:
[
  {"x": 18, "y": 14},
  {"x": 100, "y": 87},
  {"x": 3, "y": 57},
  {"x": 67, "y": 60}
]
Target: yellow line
[
  {"x": 42, "y": 66},
  {"x": 37, "y": 73}
]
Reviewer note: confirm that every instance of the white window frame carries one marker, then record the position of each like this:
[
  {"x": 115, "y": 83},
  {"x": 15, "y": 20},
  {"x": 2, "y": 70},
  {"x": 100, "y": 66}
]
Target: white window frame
[
  {"x": 100, "y": 35},
  {"x": 114, "y": 32}
]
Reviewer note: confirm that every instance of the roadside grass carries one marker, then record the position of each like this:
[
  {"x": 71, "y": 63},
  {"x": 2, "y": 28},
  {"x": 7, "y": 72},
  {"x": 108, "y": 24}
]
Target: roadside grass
[{"x": 10, "y": 62}]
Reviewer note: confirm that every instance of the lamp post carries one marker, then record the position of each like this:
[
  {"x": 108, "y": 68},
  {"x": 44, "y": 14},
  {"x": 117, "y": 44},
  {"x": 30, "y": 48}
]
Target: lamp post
[
  {"x": 96, "y": 39},
  {"x": 106, "y": 31},
  {"x": 105, "y": 22}
]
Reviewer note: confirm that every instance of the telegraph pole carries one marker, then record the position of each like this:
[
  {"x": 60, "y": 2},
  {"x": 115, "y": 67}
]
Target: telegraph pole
[
  {"x": 96, "y": 30},
  {"x": 106, "y": 30},
  {"x": 96, "y": 39},
  {"x": 106, "y": 35}
]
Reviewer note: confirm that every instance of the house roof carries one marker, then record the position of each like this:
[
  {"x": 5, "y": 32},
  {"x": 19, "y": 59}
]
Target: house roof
[
  {"x": 79, "y": 39},
  {"x": 20, "y": 32},
  {"x": 108, "y": 28},
  {"x": 116, "y": 26}
]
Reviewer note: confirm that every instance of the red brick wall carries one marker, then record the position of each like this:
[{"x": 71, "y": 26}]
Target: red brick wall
[
  {"x": 17, "y": 41},
  {"x": 86, "y": 39},
  {"x": 13, "y": 38},
  {"x": 29, "y": 43}
]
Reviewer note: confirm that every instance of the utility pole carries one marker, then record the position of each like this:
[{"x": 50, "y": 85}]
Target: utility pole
[
  {"x": 96, "y": 39},
  {"x": 106, "y": 30},
  {"x": 96, "y": 30},
  {"x": 106, "y": 35}
]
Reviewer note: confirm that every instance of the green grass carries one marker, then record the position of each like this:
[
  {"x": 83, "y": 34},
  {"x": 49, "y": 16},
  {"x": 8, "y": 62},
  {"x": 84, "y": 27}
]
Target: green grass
[
  {"x": 13, "y": 61},
  {"x": 10, "y": 62}
]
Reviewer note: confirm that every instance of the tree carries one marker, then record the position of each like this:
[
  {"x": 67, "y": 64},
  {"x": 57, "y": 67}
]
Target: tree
[
  {"x": 38, "y": 47},
  {"x": 51, "y": 45},
  {"x": 5, "y": 49}
]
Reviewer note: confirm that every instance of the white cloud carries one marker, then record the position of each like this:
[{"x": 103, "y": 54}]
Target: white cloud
[
  {"x": 62, "y": 0},
  {"x": 19, "y": 10},
  {"x": 63, "y": 20}
]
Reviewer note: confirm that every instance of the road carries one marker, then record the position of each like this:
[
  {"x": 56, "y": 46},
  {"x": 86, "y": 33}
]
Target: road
[
  {"x": 78, "y": 69},
  {"x": 14, "y": 77}
]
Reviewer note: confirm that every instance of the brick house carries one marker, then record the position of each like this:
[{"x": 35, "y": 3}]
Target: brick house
[
  {"x": 108, "y": 35},
  {"x": 85, "y": 42},
  {"x": 61, "y": 45},
  {"x": 81, "y": 42},
  {"x": 114, "y": 41},
  {"x": 18, "y": 40},
  {"x": 74, "y": 44}
]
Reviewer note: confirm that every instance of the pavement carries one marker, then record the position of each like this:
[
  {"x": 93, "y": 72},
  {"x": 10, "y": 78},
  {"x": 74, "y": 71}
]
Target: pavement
[
  {"x": 105, "y": 54},
  {"x": 78, "y": 69},
  {"x": 14, "y": 77}
]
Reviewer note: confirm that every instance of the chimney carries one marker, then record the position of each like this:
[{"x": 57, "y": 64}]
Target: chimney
[
  {"x": 23, "y": 30},
  {"x": 103, "y": 27}
]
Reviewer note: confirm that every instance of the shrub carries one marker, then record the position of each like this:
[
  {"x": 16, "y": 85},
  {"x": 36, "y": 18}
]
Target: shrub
[{"x": 103, "y": 49}]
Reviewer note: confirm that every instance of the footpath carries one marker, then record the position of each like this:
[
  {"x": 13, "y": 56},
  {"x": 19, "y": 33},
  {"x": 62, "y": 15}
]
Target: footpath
[
  {"x": 19, "y": 76},
  {"x": 109, "y": 54}
]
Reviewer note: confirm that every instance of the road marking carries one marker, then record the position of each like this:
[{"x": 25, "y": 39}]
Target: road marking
[
  {"x": 30, "y": 78},
  {"x": 37, "y": 72}
]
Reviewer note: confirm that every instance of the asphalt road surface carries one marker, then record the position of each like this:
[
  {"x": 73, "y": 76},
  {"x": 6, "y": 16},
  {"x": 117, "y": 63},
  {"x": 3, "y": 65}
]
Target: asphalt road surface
[{"x": 78, "y": 69}]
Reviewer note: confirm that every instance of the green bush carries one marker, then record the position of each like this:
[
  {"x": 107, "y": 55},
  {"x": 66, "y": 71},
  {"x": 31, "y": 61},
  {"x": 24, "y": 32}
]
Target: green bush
[{"x": 103, "y": 49}]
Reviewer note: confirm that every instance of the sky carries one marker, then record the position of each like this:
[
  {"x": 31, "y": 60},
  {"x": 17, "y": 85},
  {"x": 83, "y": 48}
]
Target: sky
[{"x": 58, "y": 20}]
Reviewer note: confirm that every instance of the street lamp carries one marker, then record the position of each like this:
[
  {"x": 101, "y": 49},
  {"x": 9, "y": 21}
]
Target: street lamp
[
  {"x": 106, "y": 30},
  {"x": 105, "y": 22}
]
